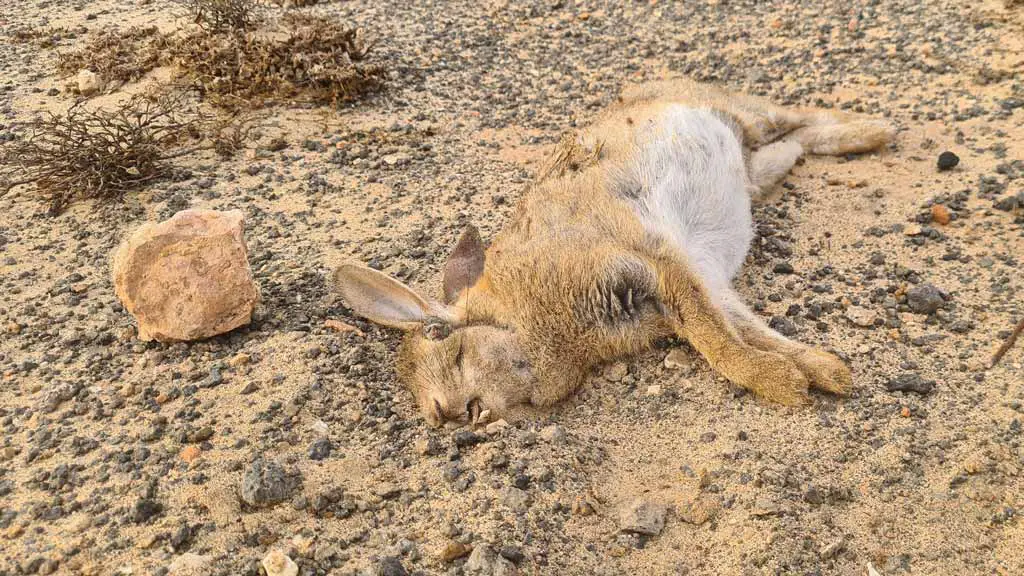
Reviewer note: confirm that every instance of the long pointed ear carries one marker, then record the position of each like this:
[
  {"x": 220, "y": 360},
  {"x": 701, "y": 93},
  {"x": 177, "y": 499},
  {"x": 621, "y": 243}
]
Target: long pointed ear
[
  {"x": 465, "y": 265},
  {"x": 380, "y": 298}
]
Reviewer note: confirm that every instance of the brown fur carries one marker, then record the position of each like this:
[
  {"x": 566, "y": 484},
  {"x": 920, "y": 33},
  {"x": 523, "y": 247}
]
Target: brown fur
[{"x": 575, "y": 279}]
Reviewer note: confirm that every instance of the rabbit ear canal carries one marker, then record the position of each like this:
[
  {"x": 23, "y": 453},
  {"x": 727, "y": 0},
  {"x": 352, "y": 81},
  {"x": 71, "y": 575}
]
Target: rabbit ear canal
[{"x": 465, "y": 265}]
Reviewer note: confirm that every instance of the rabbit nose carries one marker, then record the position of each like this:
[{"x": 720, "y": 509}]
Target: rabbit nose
[
  {"x": 442, "y": 416},
  {"x": 473, "y": 409},
  {"x": 474, "y": 412}
]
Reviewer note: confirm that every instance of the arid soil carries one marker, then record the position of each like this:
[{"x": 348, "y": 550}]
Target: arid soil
[{"x": 123, "y": 457}]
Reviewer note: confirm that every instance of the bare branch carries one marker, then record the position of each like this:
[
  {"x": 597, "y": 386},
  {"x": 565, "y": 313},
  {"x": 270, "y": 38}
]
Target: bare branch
[
  {"x": 102, "y": 153},
  {"x": 1008, "y": 344}
]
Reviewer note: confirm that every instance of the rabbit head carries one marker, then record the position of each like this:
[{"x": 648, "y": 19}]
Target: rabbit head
[{"x": 460, "y": 366}]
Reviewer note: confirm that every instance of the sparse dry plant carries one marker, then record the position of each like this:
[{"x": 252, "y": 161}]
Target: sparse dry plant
[
  {"x": 25, "y": 35},
  {"x": 118, "y": 55},
  {"x": 42, "y": 37},
  {"x": 301, "y": 57},
  {"x": 230, "y": 134},
  {"x": 310, "y": 58},
  {"x": 101, "y": 153},
  {"x": 225, "y": 15}
]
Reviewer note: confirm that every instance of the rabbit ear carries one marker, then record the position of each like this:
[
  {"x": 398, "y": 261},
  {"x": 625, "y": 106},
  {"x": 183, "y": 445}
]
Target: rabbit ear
[
  {"x": 382, "y": 299},
  {"x": 465, "y": 265}
]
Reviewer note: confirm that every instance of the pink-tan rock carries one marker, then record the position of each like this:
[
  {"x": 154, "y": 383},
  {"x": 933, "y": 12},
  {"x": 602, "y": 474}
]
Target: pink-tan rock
[{"x": 188, "y": 277}]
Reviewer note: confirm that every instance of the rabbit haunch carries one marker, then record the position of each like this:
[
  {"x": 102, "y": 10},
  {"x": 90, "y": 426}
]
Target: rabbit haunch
[{"x": 632, "y": 232}]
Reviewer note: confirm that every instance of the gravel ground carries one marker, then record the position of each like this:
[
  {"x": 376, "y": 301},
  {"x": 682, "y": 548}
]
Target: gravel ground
[{"x": 121, "y": 457}]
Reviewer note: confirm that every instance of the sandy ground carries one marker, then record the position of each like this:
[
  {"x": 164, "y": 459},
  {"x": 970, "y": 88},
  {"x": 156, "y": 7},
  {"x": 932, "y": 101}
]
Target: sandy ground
[{"x": 122, "y": 457}]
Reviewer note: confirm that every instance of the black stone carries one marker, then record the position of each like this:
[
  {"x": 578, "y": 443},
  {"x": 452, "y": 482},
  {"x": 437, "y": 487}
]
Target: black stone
[
  {"x": 320, "y": 449},
  {"x": 511, "y": 553},
  {"x": 783, "y": 268},
  {"x": 1009, "y": 203},
  {"x": 924, "y": 299},
  {"x": 145, "y": 509},
  {"x": 813, "y": 495},
  {"x": 391, "y": 566},
  {"x": 265, "y": 484},
  {"x": 947, "y": 161},
  {"x": 910, "y": 382},
  {"x": 182, "y": 538},
  {"x": 464, "y": 438},
  {"x": 782, "y": 325}
]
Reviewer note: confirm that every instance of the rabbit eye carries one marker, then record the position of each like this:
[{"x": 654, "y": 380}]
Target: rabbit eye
[{"x": 437, "y": 330}]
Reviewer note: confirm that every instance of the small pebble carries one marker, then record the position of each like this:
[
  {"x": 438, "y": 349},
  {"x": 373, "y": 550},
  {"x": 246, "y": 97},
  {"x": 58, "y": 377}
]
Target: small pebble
[
  {"x": 940, "y": 214},
  {"x": 277, "y": 563}
]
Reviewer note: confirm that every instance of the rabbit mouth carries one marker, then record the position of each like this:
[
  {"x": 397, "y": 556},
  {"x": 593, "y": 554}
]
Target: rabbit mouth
[{"x": 475, "y": 413}]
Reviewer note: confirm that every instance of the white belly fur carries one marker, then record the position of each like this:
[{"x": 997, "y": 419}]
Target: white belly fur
[{"x": 691, "y": 170}]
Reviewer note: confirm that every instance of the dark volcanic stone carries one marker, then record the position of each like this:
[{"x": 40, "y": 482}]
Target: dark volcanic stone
[
  {"x": 391, "y": 566},
  {"x": 910, "y": 382},
  {"x": 947, "y": 161},
  {"x": 320, "y": 449},
  {"x": 512, "y": 554},
  {"x": 182, "y": 538},
  {"x": 813, "y": 495},
  {"x": 782, "y": 325},
  {"x": 265, "y": 484},
  {"x": 783, "y": 268},
  {"x": 1009, "y": 203},
  {"x": 924, "y": 299},
  {"x": 145, "y": 509},
  {"x": 465, "y": 438}
]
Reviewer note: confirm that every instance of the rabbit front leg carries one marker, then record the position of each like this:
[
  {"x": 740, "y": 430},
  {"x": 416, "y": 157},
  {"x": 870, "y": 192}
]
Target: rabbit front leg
[{"x": 693, "y": 315}]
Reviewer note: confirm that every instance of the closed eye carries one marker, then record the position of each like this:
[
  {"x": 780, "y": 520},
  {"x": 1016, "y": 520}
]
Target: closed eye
[{"x": 458, "y": 355}]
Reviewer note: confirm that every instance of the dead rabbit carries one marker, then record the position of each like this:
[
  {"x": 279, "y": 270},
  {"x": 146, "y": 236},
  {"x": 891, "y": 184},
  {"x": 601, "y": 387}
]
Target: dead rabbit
[{"x": 632, "y": 232}]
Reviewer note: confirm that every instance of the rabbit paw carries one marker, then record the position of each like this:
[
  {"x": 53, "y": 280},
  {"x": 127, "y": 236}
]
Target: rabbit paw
[
  {"x": 825, "y": 371},
  {"x": 779, "y": 379}
]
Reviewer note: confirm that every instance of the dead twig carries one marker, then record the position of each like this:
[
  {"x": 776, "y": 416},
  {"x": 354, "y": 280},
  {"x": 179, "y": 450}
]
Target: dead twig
[
  {"x": 225, "y": 15},
  {"x": 1008, "y": 344},
  {"x": 232, "y": 133}
]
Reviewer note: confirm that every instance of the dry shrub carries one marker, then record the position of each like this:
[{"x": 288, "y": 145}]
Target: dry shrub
[
  {"x": 25, "y": 35},
  {"x": 42, "y": 37},
  {"x": 118, "y": 56},
  {"x": 225, "y": 15},
  {"x": 231, "y": 134},
  {"x": 310, "y": 58},
  {"x": 307, "y": 57},
  {"x": 102, "y": 153}
]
